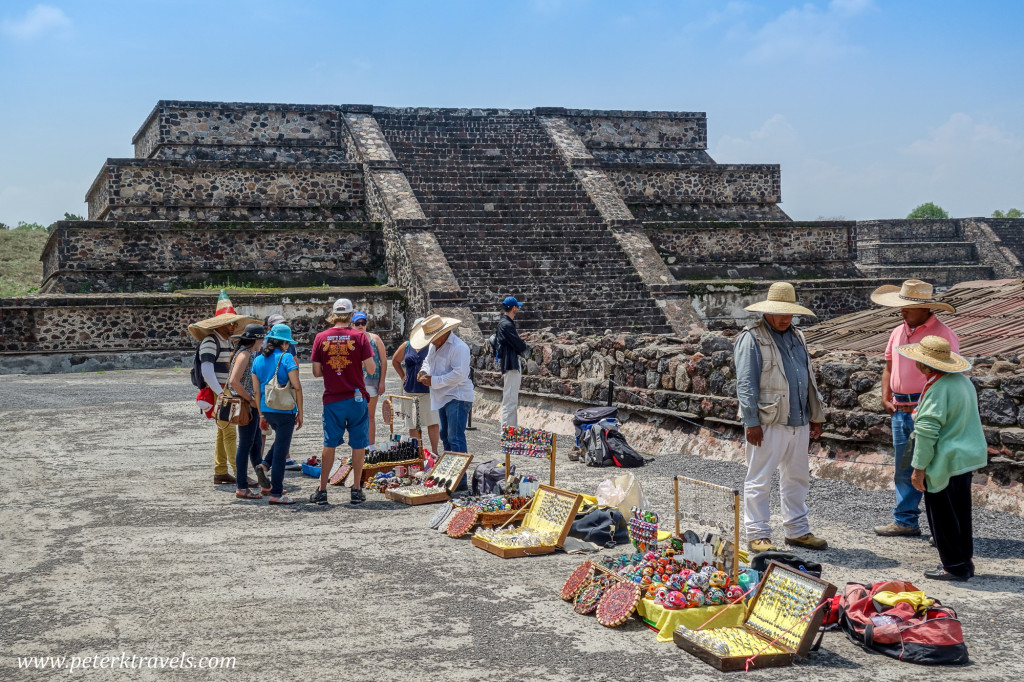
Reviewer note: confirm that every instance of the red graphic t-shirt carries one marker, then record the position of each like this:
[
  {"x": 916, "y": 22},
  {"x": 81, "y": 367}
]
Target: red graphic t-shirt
[{"x": 340, "y": 352}]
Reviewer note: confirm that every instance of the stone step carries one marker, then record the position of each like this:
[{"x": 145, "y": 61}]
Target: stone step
[
  {"x": 935, "y": 253},
  {"x": 936, "y": 275}
]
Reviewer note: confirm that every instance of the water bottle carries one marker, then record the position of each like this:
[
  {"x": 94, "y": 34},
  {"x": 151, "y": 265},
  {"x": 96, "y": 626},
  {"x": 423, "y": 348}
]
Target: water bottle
[{"x": 359, "y": 396}]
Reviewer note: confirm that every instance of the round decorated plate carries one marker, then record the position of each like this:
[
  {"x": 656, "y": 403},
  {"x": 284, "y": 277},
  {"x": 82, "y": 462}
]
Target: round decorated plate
[
  {"x": 617, "y": 604},
  {"x": 462, "y": 522},
  {"x": 440, "y": 515},
  {"x": 588, "y": 597},
  {"x": 338, "y": 477},
  {"x": 580, "y": 577}
]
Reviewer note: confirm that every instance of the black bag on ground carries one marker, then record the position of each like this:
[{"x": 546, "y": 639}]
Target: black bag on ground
[
  {"x": 488, "y": 475},
  {"x": 595, "y": 448},
  {"x": 759, "y": 562},
  {"x": 603, "y": 526},
  {"x": 621, "y": 453}
]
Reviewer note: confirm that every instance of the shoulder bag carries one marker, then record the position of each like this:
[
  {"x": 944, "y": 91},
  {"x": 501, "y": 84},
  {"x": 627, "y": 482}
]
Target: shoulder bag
[
  {"x": 231, "y": 408},
  {"x": 279, "y": 397}
]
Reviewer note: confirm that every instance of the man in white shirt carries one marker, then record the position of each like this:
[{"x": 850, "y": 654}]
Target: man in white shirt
[{"x": 446, "y": 372}]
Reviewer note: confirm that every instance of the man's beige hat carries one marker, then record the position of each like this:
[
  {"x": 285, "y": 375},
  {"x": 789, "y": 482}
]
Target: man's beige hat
[
  {"x": 781, "y": 301},
  {"x": 913, "y": 294},
  {"x": 935, "y": 352},
  {"x": 200, "y": 330},
  {"x": 430, "y": 328}
]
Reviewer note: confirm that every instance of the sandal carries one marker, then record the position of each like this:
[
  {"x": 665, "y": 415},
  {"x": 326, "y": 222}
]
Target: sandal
[
  {"x": 261, "y": 477},
  {"x": 284, "y": 499},
  {"x": 247, "y": 494},
  {"x": 266, "y": 491}
]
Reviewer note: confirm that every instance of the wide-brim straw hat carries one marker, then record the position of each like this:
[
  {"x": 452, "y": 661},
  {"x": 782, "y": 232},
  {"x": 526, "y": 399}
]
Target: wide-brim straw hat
[
  {"x": 935, "y": 352},
  {"x": 912, "y": 294},
  {"x": 781, "y": 301},
  {"x": 430, "y": 328},
  {"x": 200, "y": 330}
]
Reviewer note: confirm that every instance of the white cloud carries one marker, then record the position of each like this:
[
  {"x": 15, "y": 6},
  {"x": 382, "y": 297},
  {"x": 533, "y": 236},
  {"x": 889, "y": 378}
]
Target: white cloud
[
  {"x": 775, "y": 136},
  {"x": 808, "y": 32},
  {"x": 38, "y": 21}
]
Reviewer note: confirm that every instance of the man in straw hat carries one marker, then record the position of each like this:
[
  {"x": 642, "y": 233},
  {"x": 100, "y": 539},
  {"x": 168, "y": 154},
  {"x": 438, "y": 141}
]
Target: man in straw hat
[
  {"x": 446, "y": 372},
  {"x": 901, "y": 387},
  {"x": 215, "y": 349},
  {"x": 781, "y": 410},
  {"x": 949, "y": 443}
]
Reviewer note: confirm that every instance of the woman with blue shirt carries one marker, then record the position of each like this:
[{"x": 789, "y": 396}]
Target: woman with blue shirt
[{"x": 276, "y": 364}]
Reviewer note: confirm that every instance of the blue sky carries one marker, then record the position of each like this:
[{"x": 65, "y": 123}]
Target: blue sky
[{"x": 871, "y": 107}]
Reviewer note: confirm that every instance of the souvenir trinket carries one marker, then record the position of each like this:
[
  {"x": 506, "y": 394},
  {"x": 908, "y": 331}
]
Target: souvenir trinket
[
  {"x": 577, "y": 579},
  {"x": 462, "y": 522},
  {"x": 617, "y": 604}
]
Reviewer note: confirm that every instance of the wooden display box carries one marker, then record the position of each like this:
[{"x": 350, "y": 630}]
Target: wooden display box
[
  {"x": 498, "y": 518},
  {"x": 766, "y": 621},
  {"x": 451, "y": 466},
  {"x": 569, "y": 501}
]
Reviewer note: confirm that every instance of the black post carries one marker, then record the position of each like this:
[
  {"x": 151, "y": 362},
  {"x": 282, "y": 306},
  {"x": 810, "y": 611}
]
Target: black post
[{"x": 611, "y": 391}]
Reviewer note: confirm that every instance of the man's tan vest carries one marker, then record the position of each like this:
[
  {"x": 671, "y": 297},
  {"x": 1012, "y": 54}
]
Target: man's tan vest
[{"x": 773, "y": 400}]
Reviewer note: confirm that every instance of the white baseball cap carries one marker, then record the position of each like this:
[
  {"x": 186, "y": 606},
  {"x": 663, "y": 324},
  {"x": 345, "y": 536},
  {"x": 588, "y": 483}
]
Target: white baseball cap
[{"x": 343, "y": 306}]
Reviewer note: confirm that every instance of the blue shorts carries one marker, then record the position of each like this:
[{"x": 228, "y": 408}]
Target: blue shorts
[{"x": 345, "y": 415}]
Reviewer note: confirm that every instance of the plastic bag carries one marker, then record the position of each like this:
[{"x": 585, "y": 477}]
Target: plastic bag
[{"x": 609, "y": 494}]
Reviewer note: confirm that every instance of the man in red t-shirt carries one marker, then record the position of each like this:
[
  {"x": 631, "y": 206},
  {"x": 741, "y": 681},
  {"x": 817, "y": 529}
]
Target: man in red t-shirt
[{"x": 339, "y": 356}]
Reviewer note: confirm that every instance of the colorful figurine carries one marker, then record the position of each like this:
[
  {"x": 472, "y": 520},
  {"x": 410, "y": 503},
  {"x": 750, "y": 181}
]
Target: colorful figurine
[
  {"x": 719, "y": 579},
  {"x": 675, "y": 600},
  {"x": 734, "y": 592},
  {"x": 715, "y": 596},
  {"x": 694, "y": 598}
]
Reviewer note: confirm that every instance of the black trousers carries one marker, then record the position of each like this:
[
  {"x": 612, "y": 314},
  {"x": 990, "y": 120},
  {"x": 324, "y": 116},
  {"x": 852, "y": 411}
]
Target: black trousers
[{"x": 949, "y": 515}]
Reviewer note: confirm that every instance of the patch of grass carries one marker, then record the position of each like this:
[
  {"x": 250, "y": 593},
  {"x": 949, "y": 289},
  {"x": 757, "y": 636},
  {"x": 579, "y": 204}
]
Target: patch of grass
[
  {"x": 251, "y": 286},
  {"x": 21, "y": 271}
]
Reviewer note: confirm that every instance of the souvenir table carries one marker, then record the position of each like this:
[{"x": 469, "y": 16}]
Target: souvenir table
[
  {"x": 781, "y": 622},
  {"x": 527, "y": 442},
  {"x": 438, "y": 485},
  {"x": 384, "y": 457},
  {"x": 544, "y": 527}
]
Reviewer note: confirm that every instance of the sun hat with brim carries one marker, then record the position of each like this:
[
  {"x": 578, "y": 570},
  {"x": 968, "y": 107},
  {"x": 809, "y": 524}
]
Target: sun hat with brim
[
  {"x": 935, "y": 352},
  {"x": 200, "y": 330},
  {"x": 913, "y": 294},
  {"x": 281, "y": 332},
  {"x": 430, "y": 328},
  {"x": 781, "y": 301}
]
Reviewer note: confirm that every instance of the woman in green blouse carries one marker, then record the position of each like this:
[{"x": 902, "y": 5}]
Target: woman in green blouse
[{"x": 948, "y": 445}]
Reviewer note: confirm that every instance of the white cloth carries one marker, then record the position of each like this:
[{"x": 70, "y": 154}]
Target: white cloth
[
  {"x": 428, "y": 417},
  {"x": 510, "y": 397},
  {"x": 448, "y": 368},
  {"x": 784, "y": 448}
]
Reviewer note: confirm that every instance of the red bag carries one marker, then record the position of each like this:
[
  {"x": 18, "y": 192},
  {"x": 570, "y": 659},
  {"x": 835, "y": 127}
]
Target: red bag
[{"x": 932, "y": 638}]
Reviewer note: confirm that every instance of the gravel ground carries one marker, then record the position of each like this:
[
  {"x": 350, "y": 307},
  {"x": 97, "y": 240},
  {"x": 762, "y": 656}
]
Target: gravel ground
[{"x": 116, "y": 542}]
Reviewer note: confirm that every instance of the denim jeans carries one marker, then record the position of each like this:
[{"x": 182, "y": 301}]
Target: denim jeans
[
  {"x": 250, "y": 446},
  {"x": 908, "y": 498},
  {"x": 454, "y": 416},
  {"x": 283, "y": 424}
]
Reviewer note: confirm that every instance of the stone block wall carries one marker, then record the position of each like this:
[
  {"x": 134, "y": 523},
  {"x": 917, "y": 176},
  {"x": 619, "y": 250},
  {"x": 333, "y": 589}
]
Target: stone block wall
[
  {"x": 158, "y": 322},
  {"x": 696, "y": 377},
  {"x": 93, "y": 256},
  {"x": 663, "y": 130},
  {"x": 756, "y": 250},
  {"x": 151, "y": 189},
  {"x": 1000, "y": 244},
  {"x": 212, "y": 130}
]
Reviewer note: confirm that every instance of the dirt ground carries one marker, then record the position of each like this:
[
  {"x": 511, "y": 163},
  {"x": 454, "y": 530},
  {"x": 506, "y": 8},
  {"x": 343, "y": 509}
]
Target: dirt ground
[{"x": 116, "y": 543}]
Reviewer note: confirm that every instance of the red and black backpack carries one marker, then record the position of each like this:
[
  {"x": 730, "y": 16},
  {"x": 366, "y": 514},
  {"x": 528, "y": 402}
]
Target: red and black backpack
[{"x": 931, "y": 637}]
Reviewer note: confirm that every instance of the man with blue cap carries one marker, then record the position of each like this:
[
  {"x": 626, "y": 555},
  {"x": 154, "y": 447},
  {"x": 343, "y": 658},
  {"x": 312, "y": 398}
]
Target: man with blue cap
[{"x": 508, "y": 347}]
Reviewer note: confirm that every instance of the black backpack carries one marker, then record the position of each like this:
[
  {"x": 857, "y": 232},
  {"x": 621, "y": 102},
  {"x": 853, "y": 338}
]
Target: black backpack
[
  {"x": 608, "y": 448},
  {"x": 622, "y": 454},
  {"x": 197, "y": 366}
]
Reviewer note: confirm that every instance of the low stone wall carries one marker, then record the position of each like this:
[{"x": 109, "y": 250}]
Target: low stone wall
[
  {"x": 153, "y": 189},
  {"x": 174, "y": 126},
  {"x": 640, "y": 129},
  {"x": 93, "y": 256},
  {"x": 756, "y": 250},
  {"x": 694, "y": 378},
  {"x": 696, "y": 183},
  {"x": 110, "y": 323}
]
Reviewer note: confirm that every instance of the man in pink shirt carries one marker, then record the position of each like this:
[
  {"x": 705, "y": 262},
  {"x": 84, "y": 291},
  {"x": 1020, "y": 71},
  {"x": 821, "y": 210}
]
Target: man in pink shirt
[{"x": 901, "y": 388}]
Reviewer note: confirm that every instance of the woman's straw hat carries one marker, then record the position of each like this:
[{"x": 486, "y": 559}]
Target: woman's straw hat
[
  {"x": 913, "y": 294},
  {"x": 430, "y": 328},
  {"x": 781, "y": 301},
  {"x": 935, "y": 352}
]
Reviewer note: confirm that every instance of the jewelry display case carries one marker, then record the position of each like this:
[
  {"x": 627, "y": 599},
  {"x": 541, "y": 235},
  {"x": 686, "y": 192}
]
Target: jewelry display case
[
  {"x": 544, "y": 527},
  {"x": 781, "y": 621},
  {"x": 445, "y": 475}
]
